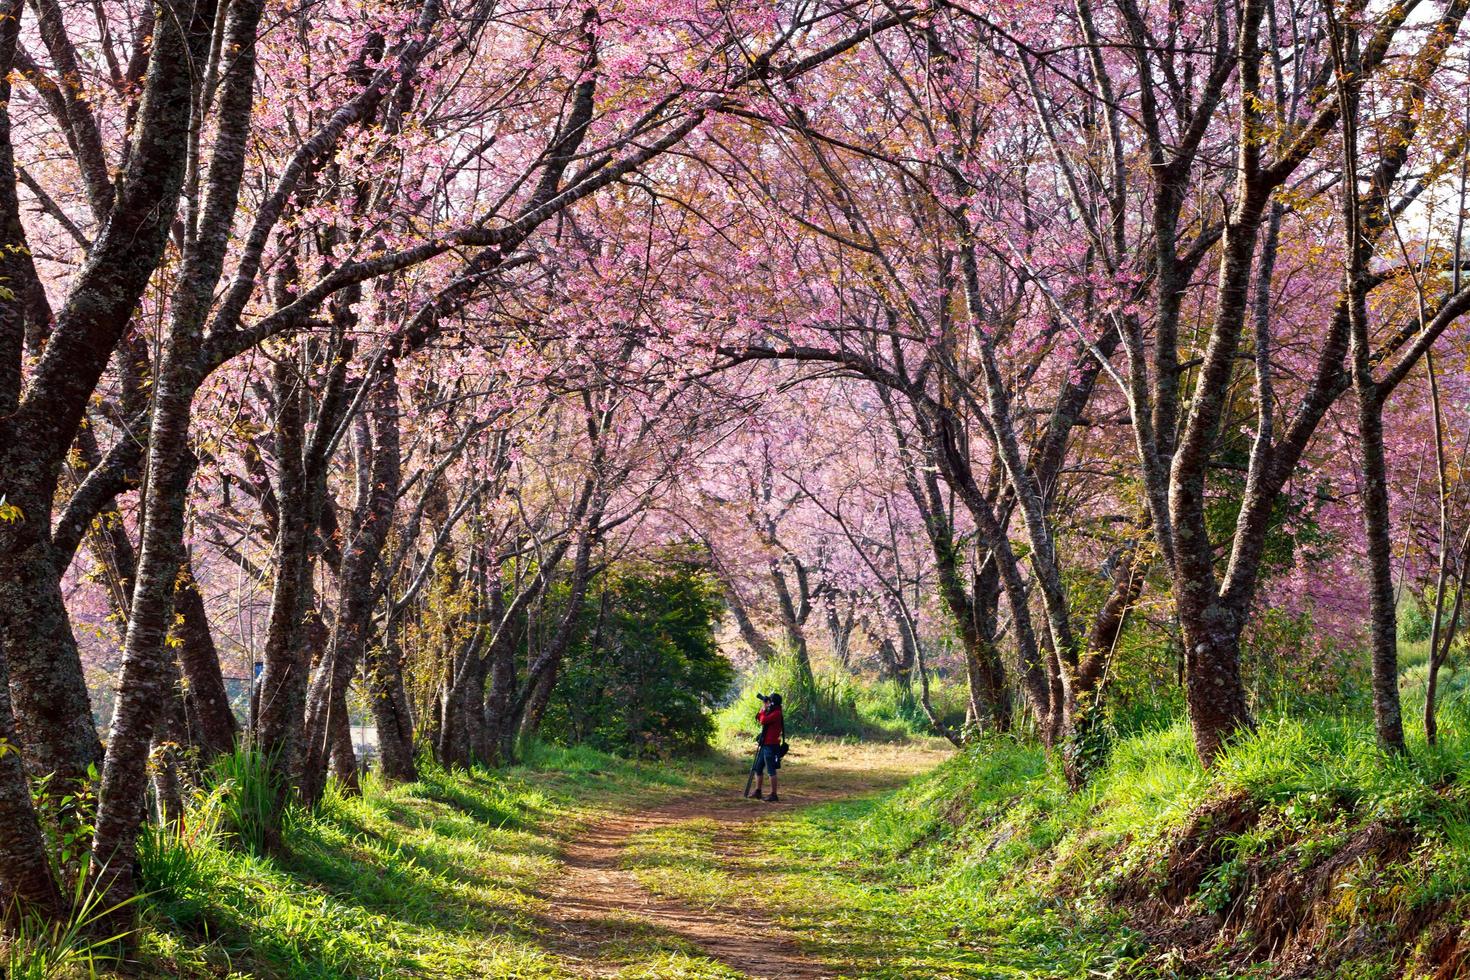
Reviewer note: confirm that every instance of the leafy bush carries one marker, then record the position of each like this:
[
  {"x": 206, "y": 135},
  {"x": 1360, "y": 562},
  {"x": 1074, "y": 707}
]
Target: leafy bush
[
  {"x": 645, "y": 671},
  {"x": 896, "y": 705},
  {"x": 1415, "y": 621}
]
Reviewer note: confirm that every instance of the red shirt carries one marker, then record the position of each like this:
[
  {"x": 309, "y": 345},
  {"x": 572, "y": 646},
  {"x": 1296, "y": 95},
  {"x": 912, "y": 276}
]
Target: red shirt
[{"x": 771, "y": 729}]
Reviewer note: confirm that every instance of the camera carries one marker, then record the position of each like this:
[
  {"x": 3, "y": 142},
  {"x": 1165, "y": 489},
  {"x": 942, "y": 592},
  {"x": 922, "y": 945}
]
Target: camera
[{"x": 762, "y": 697}]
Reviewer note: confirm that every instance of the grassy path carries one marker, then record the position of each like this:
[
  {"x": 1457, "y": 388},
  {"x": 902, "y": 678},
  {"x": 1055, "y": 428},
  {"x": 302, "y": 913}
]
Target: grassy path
[
  {"x": 607, "y": 921},
  {"x": 614, "y": 917},
  {"x": 543, "y": 871},
  {"x": 579, "y": 864}
]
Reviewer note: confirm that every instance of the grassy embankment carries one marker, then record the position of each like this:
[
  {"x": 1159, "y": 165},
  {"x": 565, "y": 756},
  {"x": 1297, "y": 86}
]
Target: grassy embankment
[
  {"x": 839, "y": 705},
  {"x": 1304, "y": 852}
]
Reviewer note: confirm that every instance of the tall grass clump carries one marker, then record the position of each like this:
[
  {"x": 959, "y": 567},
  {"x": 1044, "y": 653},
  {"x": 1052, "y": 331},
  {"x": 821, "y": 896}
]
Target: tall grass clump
[
  {"x": 736, "y": 722},
  {"x": 893, "y": 704},
  {"x": 178, "y": 862},
  {"x": 38, "y": 947},
  {"x": 245, "y": 787}
]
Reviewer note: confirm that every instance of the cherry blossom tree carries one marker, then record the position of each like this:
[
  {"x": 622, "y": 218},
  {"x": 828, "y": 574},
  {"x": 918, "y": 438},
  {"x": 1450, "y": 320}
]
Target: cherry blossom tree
[{"x": 357, "y": 340}]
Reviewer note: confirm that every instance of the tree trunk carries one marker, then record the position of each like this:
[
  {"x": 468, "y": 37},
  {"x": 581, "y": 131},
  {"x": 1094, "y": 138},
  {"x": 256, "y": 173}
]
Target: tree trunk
[
  {"x": 497, "y": 727},
  {"x": 53, "y": 711},
  {"x": 389, "y": 703},
  {"x": 896, "y": 667},
  {"x": 1052, "y": 722},
  {"x": 944, "y": 435},
  {"x": 167, "y": 755},
  {"x": 146, "y": 675},
  {"x": 839, "y": 627},
  {"x": 283, "y": 678},
  {"x": 204, "y": 694},
  {"x": 378, "y": 463},
  {"x": 955, "y": 738},
  {"x": 794, "y": 609},
  {"x": 975, "y": 616},
  {"x": 544, "y": 673},
  {"x": 975, "y": 612},
  {"x": 1213, "y": 690},
  {"x": 147, "y": 683},
  {"x": 749, "y": 632},
  {"x": 25, "y": 874},
  {"x": 344, "y": 755},
  {"x": 463, "y": 737},
  {"x": 540, "y": 696},
  {"x": 1112, "y": 616},
  {"x": 53, "y": 715},
  {"x": 282, "y": 713},
  {"x": 1215, "y": 693},
  {"x": 985, "y": 596},
  {"x": 1387, "y": 713},
  {"x": 24, "y": 870}
]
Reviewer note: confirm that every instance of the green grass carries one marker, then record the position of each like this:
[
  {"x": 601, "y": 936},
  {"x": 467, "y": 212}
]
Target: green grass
[
  {"x": 872, "y": 885},
  {"x": 438, "y": 878},
  {"x": 838, "y": 705},
  {"x": 988, "y": 867}
]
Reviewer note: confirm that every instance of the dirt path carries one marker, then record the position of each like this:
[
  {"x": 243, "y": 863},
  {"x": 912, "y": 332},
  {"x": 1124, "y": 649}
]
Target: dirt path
[{"x": 599, "y": 907}]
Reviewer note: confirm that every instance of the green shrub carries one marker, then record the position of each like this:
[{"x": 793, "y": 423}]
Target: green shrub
[
  {"x": 1415, "y": 621},
  {"x": 893, "y": 704},
  {"x": 645, "y": 671}
]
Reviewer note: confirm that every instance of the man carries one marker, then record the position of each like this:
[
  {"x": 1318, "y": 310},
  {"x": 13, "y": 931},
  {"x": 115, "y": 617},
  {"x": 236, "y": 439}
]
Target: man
[{"x": 768, "y": 751}]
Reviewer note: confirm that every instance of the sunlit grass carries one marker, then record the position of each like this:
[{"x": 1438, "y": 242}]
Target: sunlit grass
[
  {"x": 437, "y": 878},
  {"x": 990, "y": 867},
  {"x": 840, "y": 705},
  {"x": 987, "y": 866}
]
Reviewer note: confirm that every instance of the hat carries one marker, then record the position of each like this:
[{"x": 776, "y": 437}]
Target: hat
[{"x": 776, "y": 700}]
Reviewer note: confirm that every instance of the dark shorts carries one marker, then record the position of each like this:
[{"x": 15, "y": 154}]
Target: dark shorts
[{"x": 767, "y": 760}]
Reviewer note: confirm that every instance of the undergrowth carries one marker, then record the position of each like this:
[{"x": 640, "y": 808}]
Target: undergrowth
[
  {"x": 1303, "y": 851},
  {"x": 83, "y": 943}
]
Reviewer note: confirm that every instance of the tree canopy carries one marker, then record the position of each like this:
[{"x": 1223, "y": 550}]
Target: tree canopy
[{"x": 361, "y": 356}]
